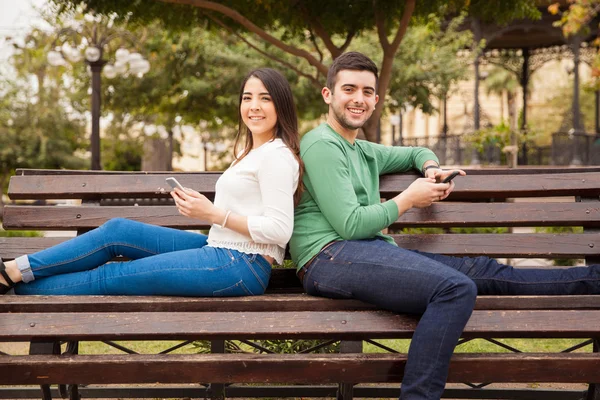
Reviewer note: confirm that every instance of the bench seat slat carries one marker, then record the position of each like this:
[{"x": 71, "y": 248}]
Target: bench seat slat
[
  {"x": 277, "y": 325},
  {"x": 12, "y": 247},
  {"x": 522, "y": 245},
  {"x": 444, "y": 214},
  {"x": 457, "y": 214},
  {"x": 316, "y": 368},
  {"x": 130, "y": 185},
  {"x": 268, "y": 302}
]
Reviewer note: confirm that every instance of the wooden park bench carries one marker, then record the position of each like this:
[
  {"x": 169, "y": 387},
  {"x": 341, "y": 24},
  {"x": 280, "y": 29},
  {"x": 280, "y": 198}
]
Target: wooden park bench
[{"x": 484, "y": 198}]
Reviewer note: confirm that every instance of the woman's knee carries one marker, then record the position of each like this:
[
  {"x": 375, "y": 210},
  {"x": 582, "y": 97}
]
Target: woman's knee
[{"x": 118, "y": 224}]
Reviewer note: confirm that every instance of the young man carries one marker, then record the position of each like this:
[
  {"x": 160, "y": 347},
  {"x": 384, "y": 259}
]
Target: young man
[{"x": 341, "y": 253}]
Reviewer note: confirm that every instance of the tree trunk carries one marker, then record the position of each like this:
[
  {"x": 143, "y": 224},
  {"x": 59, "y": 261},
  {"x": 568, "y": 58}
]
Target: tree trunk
[{"x": 156, "y": 155}]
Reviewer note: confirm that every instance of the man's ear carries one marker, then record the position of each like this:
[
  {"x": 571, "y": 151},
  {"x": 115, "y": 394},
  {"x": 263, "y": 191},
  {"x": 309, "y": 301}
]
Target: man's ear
[{"x": 326, "y": 93}]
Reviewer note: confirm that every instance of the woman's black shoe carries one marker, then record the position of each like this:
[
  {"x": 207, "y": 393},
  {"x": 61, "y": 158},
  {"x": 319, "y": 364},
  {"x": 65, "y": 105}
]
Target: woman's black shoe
[{"x": 4, "y": 288}]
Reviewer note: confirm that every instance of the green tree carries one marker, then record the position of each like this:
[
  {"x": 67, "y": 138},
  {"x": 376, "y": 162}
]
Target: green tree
[
  {"x": 323, "y": 30},
  {"x": 500, "y": 82},
  {"x": 36, "y": 128},
  {"x": 576, "y": 19},
  {"x": 426, "y": 65}
]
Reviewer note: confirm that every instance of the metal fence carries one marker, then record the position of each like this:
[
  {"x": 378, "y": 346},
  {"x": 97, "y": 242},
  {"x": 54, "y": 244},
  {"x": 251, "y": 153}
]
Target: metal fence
[{"x": 567, "y": 148}]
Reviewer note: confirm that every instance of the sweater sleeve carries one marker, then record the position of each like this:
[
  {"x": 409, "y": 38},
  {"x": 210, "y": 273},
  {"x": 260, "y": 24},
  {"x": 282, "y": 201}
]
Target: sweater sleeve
[
  {"x": 278, "y": 180},
  {"x": 402, "y": 159},
  {"x": 331, "y": 187}
]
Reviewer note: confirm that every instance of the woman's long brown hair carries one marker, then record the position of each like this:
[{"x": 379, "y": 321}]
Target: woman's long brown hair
[{"x": 287, "y": 119}]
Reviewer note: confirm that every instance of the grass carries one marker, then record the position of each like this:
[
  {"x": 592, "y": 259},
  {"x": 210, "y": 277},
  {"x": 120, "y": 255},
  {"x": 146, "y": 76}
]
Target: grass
[
  {"x": 483, "y": 346},
  {"x": 473, "y": 346}
]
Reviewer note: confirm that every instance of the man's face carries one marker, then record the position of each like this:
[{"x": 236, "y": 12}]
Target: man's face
[{"x": 353, "y": 99}]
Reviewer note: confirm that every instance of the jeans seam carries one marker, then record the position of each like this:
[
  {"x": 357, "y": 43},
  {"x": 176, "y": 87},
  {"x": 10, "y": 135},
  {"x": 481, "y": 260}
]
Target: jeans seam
[
  {"x": 120, "y": 276},
  {"x": 537, "y": 282},
  {"x": 333, "y": 255},
  {"x": 239, "y": 283},
  {"x": 92, "y": 252},
  {"x": 262, "y": 284},
  {"x": 429, "y": 386}
]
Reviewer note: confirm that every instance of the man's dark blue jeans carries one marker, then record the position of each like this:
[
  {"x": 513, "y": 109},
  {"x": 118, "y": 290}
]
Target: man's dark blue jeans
[{"x": 441, "y": 288}]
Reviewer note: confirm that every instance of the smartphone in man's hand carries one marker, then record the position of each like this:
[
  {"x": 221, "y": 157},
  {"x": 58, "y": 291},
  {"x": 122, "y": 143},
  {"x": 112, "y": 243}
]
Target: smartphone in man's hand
[{"x": 451, "y": 176}]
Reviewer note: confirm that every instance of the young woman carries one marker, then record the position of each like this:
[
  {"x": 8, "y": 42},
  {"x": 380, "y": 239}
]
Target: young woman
[{"x": 252, "y": 220}]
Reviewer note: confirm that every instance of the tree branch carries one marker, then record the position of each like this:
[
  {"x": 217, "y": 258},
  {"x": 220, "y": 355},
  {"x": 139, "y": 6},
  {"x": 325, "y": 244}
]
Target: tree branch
[
  {"x": 317, "y": 49},
  {"x": 322, "y": 33},
  {"x": 409, "y": 9},
  {"x": 312, "y": 79},
  {"x": 245, "y": 22},
  {"x": 380, "y": 24},
  {"x": 349, "y": 38}
]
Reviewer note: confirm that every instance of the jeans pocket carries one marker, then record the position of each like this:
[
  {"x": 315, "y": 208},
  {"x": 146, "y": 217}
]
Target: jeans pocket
[
  {"x": 260, "y": 272},
  {"x": 334, "y": 249},
  {"x": 238, "y": 289}
]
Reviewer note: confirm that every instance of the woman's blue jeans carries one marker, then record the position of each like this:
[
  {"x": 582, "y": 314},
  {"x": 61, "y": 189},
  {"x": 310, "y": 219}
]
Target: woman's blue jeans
[
  {"x": 440, "y": 288},
  {"x": 164, "y": 261}
]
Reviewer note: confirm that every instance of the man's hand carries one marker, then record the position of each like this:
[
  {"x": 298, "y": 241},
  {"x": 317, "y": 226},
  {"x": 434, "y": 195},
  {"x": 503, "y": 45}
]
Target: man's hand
[
  {"x": 422, "y": 193},
  {"x": 439, "y": 176}
]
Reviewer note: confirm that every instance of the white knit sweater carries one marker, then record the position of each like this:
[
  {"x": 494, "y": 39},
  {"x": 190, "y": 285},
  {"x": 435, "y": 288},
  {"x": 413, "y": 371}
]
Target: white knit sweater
[{"x": 261, "y": 187}]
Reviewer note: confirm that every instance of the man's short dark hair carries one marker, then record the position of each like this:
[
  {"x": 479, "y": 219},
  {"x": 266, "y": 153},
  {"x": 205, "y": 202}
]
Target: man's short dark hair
[{"x": 353, "y": 61}]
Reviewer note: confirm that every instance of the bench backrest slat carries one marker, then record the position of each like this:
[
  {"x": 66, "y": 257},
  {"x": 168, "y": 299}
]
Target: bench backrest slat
[
  {"x": 552, "y": 183},
  {"x": 441, "y": 215}
]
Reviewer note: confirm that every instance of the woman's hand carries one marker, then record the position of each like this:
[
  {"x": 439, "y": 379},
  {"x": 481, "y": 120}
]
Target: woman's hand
[{"x": 193, "y": 204}]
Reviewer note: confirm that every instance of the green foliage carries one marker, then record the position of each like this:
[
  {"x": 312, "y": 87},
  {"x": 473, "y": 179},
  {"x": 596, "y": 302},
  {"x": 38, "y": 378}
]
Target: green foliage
[
  {"x": 426, "y": 64},
  {"x": 557, "y": 111},
  {"x": 500, "y": 80},
  {"x": 338, "y": 17},
  {"x": 311, "y": 34},
  {"x": 122, "y": 147},
  {"x": 497, "y": 136},
  {"x": 296, "y": 346},
  {"x": 276, "y": 346},
  {"x": 4, "y": 233},
  {"x": 36, "y": 128}
]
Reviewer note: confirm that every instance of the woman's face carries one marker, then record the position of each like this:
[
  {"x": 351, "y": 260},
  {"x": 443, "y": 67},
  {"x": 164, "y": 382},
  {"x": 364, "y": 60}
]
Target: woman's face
[{"x": 258, "y": 111}]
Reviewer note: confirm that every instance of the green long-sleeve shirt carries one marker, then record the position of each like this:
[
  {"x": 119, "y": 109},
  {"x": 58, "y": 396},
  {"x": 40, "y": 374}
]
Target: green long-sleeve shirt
[{"x": 341, "y": 200}]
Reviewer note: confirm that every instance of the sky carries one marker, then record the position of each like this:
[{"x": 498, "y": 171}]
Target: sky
[{"x": 16, "y": 17}]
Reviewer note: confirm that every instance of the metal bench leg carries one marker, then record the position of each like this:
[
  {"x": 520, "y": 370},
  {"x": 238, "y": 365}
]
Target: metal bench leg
[
  {"x": 44, "y": 348},
  {"x": 217, "y": 390},
  {"x": 346, "y": 390},
  {"x": 70, "y": 391},
  {"x": 594, "y": 388}
]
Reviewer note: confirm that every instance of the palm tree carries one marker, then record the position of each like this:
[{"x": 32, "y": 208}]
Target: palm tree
[{"x": 500, "y": 81}]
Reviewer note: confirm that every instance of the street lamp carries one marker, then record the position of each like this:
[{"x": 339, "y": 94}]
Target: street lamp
[{"x": 95, "y": 39}]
